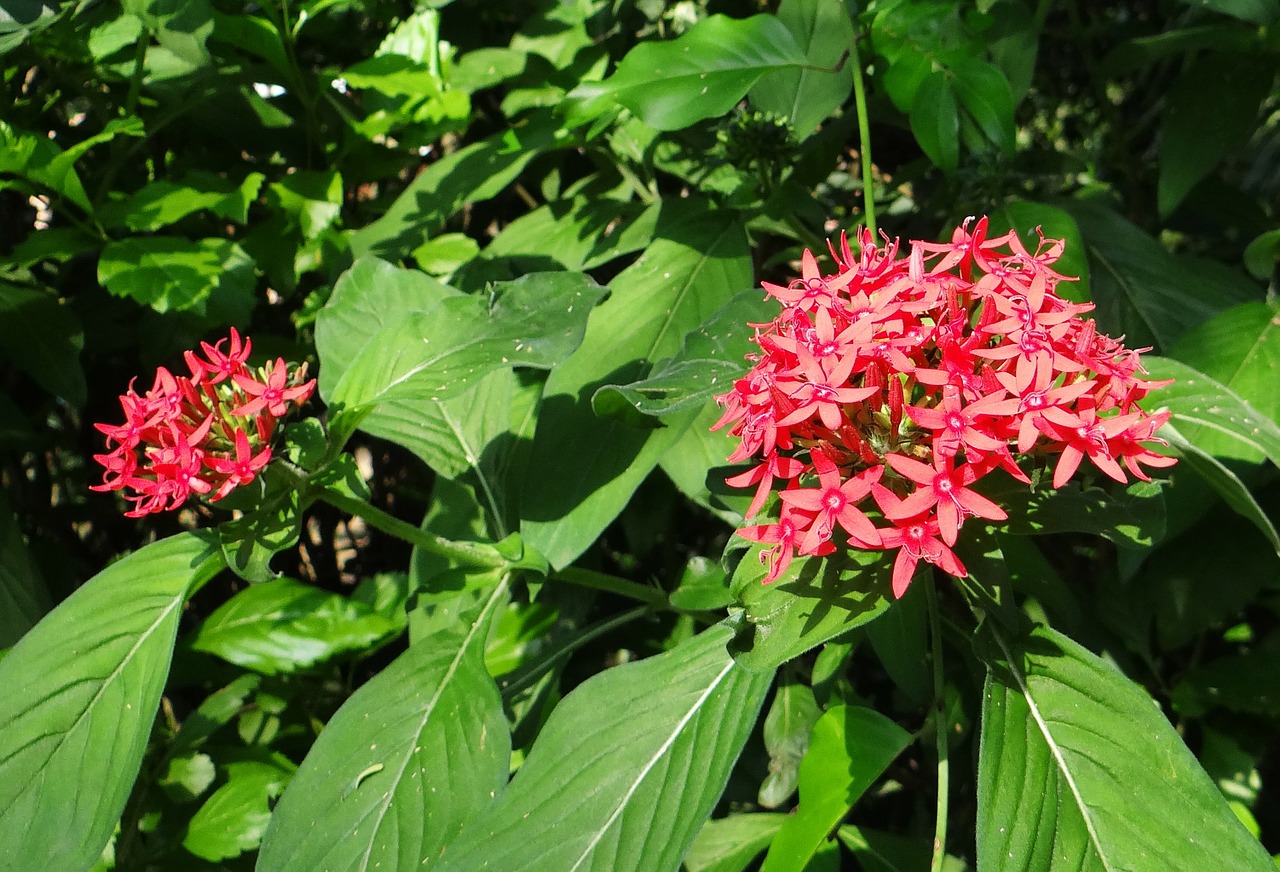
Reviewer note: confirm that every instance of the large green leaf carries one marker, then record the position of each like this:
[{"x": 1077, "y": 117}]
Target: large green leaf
[
  {"x": 44, "y": 338},
  {"x": 1143, "y": 292},
  {"x": 850, "y": 749},
  {"x": 472, "y": 174},
  {"x": 1189, "y": 148},
  {"x": 809, "y": 94},
  {"x": 701, "y": 74},
  {"x": 709, "y": 360},
  {"x": 1079, "y": 770},
  {"x": 213, "y": 277},
  {"x": 414, "y": 753},
  {"x": 1212, "y": 416},
  {"x": 24, "y": 599},
  {"x": 813, "y": 601},
  {"x": 626, "y": 770},
  {"x": 1241, "y": 349},
  {"x": 935, "y": 121},
  {"x": 583, "y": 469},
  {"x": 424, "y": 357},
  {"x": 235, "y": 816},
  {"x": 285, "y": 625},
  {"x": 730, "y": 844},
  {"x": 1132, "y": 515},
  {"x": 81, "y": 693}
]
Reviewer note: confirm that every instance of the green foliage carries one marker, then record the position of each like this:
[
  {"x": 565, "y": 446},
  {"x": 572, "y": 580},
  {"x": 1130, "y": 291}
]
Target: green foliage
[{"x": 485, "y": 607}]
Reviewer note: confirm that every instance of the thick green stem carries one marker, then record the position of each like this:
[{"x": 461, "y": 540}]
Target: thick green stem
[
  {"x": 940, "y": 729},
  {"x": 612, "y": 584},
  {"x": 864, "y": 138},
  {"x": 469, "y": 553}
]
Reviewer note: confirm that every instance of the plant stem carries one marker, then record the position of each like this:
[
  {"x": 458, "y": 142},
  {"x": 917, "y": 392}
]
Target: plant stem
[
  {"x": 864, "y": 138},
  {"x": 612, "y": 584},
  {"x": 940, "y": 729},
  {"x": 470, "y": 553}
]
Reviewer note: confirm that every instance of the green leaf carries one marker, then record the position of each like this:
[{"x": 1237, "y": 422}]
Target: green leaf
[
  {"x": 233, "y": 819},
  {"x": 1261, "y": 254},
  {"x": 730, "y": 844},
  {"x": 163, "y": 202},
  {"x": 1232, "y": 683},
  {"x": 44, "y": 338},
  {"x": 82, "y": 691},
  {"x": 1076, "y": 762},
  {"x": 935, "y": 121},
  {"x": 24, "y": 598},
  {"x": 285, "y": 625},
  {"x": 470, "y": 175},
  {"x": 701, "y": 74},
  {"x": 250, "y": 541},
  {"x": 213, "y": 277},
  {"x": 21, "y": 18},
  {"x": 807, "y": 95},
  {"x": 700, "y": 259},
  {"x": 1252, "y": 11},
  {"x": 412, "y": 755},
  {"x": 1212, "y": 416},
  {"x": 1239, "y": 348},
  {"x": 984, "y": 93},
  {"x": 1143, "y": 292},
  {"x": 1189, "y": 148},
  {"x": 709, "y": 360},
  {"x": 1132, "y": 515},
  {"x": 813, "y": 601},
  {"x": 651, "y": 744},
  {"x": 850, "y": 748},
  {"x": 535, "y": 321},
  {"x": 786, "y": 738}
]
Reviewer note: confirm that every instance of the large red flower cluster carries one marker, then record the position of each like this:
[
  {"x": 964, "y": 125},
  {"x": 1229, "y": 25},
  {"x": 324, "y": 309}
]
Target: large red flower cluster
[
  {"x": 895, "y": 384},
  {"x": 205, "y": 433}
]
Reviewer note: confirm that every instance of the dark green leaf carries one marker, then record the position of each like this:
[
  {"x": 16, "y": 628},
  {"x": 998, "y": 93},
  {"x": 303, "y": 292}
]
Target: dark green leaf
[
  {"x": 652, "y": 745},
  {"x": 699, "y": 260},
  {"x": 24, "y": 599},
  {"x": 984, "y": 94},
  {"x": 82, "y": 690},
  {"x": 1143, "y": 292},
  {"x": 1252, "y": 11},
  {"x": 814, "y": 600},
  {"x": 935, "y": 121},
  {"x": 1133, "y": 515},
  {"x": 709, "y": 360},
  {"x": 786, "y": 738},
  {"x": 1189, "y": 148},
  {"x": 1262, "y": 253},
  {"x": 1026, "y": 217},
  {"x": 1077, "y": 761},
  {"x": 850, "y": 749},
  {"x": 285, "y": 625},
  {"x": 412, "y": 755},
  {"x": 44, "y": 338}
]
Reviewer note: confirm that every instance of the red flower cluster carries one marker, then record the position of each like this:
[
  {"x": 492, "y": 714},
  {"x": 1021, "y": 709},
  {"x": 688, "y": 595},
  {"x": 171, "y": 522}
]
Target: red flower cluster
[
  {"x": 908, "y": 379},
  {"x": 204, "y": 434}
]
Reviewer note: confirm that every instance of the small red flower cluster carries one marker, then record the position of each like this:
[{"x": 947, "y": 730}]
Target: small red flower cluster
[
  {"x": 908, "y": 379},
  {"x": 204, "y": 434}
]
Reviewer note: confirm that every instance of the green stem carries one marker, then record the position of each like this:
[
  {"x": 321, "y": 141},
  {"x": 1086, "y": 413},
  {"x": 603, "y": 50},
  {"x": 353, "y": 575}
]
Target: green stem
[
  {"x": 864, "y": 137},
  {"x": 469, "y": 553},
  {"x": 940, "y": 729},
  {"x": 612, "y": 584}
]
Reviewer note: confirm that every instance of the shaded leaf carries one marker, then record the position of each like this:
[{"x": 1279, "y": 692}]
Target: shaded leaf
[
  {"x": 1026, "y": 217},
  {"x": 233, "y": 819},
  {"x": 1129, "y": 515},
  {"x": 935, "y": 121},
  {"x": 43, "y": 338},
  {"x": 652, "y": 742},
  {"x": 1077, "y": 761},
  {"x": 82, "y": 690},
  {"x": 213, "y": 277},
  {"x": 786, "y": 738},
  {"x": 729, "y": 844},
  {"x": 699, "y": 260},
  {"x": 814, "y": 600},
  {"x": 24, "y": 598},
  {"x": 850, "y": 749}
]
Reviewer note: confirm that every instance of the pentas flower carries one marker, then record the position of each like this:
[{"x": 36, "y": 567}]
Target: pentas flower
[
  {"x": 202, "y": 434},
  {"x": 884, "y": 391}
]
